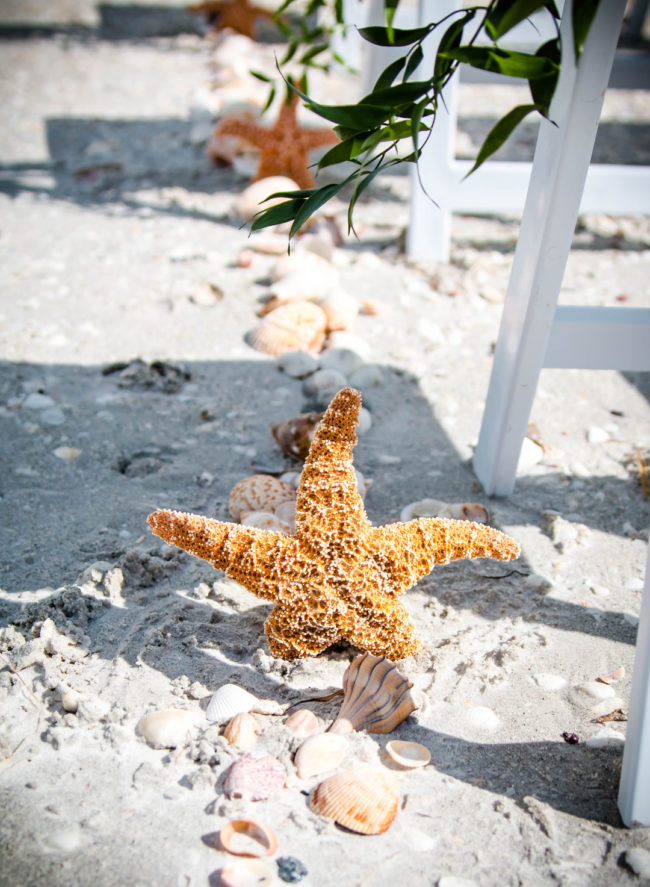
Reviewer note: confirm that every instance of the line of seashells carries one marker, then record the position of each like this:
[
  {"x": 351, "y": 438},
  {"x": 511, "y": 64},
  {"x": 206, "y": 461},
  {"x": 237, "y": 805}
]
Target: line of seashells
[{"x": 363, "y": 798}]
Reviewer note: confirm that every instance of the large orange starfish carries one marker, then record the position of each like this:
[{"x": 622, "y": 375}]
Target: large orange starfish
[
  {"x": 338, "y": 577},
  {"x": 240, "y": 15},
  {"x": 284, "y": 148}
]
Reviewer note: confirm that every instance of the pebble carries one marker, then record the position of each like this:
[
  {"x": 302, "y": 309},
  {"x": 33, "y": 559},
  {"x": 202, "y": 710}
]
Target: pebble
[
  {"x": 297, "y": 364},
  {"x": 65, "y": 840},
  {"x": 550, "y": 682},
  {"x": 537, "y": 582},
  {"x": 367, "y": 376},
  {"x": 37, "y": 401},
  {"x": 638, "y": 859},
  {"x": 605, "y": 738},
  {"x": 68, "y": 454},
  {"x": 70, "y": 701},
  {"x": 344, "y": 360},
  {"x": 365, "y": 422},
  {"x": 291, "y": 869},
  {"x": 322, "y": 385},
  {"x": 53, "y": 416}
]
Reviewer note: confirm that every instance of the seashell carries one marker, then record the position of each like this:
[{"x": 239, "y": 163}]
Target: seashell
[
  {"x": 294, "y": 436},
  {"x": 67, "y": 454},
  {"x": 371, "y": 307},
  {"x": 296, "y": 326},
  {"x": 254, "y": 779},
  {"x": 167, "y": 729},
  {"x": 301, "y": 261},
  {"x": 286, "y": 515},
  {"x": 342, "y": 359},
  {"x": 70, "y": 701},
  {"x": 230, "y": 699},
  {"x": 340, "y": 310},
  {"x": 246, "y": 873},
  {"x": 245, "y": 258},
  {"x": 472, "y": 511},
  {"x": 302, "y": 723},
  {"x": 258, "y": 492},
  {"x": 291, "y": 477},
  {"x": 408, "y": 754},
  {"x": 268, "y": 243},
  {"x": 264, "y": 520},
  {"x": 319, "y": 754},
  {"x": 362, "y": 799},
  {"x": 613, "y": 676},
  {"x": 322, "y": 385},
  {"x": 250, "y": 201},
  {"x": 262, "y": 841},
  {"x": 312, "y": 284},
  {"x": 376, "y": 697},
  {"x": 296, "y": 364},
  {"x": 242, "y": 730}
]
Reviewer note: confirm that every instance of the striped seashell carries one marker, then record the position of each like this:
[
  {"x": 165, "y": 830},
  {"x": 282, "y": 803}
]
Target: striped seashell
[
  {"x": 242, "y": 730},
  {"x": 319, "y": 754},
  {"x": 296, "y": 326},
  {"x": 264, "y": 520},
  {"x": 230, "y": 699},
  {"x": 302, "y": 723},
  {"x": 362, "y": 799},
  {"x": 376, "y": 697},
  {"x": 294, "y": 436},
  {"x": 246, "y": 873},
  {"x": 254, "y": 779},
  {"x": 259, "y": 492}
]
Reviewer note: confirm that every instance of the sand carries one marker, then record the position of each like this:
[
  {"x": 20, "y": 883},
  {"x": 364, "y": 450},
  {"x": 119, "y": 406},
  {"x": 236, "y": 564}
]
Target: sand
[{"x": 126, "y": 384}]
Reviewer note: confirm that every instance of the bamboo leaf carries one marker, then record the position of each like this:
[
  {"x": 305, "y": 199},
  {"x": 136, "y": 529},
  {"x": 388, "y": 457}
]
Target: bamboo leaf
[
  {"x": 449, "y": 40},
  {"x": 543, "y": 88},
  {"x": 380, "y": 36},
  {"x": 500, "y": 132},
  {"x": 312, "y": 53},
  {"x": 505, "y": 14},
  {"x": 582, "y": 15},
  {"x": 260, "y": 76},
  {"x": 389, "y": 74},
  {"x": 416, "y": 125},
  {"x": 269, "y": 100},
  {"x": 358, "y": 191},
  {"x": 503, "y": 61},
  {"x": 277, "y": 215},
  {"x": 415, "y": 59},
  {"x": 318, "y": 197}
]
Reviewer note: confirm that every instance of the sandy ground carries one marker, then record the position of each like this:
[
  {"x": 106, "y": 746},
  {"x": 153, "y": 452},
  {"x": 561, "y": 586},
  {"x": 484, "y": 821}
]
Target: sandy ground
[{"x": 115, "y": 229}]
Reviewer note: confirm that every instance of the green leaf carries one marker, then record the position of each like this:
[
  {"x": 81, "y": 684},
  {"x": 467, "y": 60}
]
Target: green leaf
[
  {"x": 505, "y": 14},
  {"x": 414, "y": 62},
  {"x": 269, "y": 100},
  {"x": 389, "y": 74},
  {"x": 502, "y": 61},
  {"x": 416, "y": 125},
  {"x": 543, "y": 88},
  {"x": 277, "y": 215},
  {"x": 318, "y": 197},
  {"x": 312, "y": 53},
  {"x": 291, "y": 51},
  {"x": 582, "y": 15},
  {"x": 358, "y": 191},
  {"x": 390, "y": 7},
  {"x": 381, "y": 36},
  {"x": 500, "y": 132},
  {"x": 344, "y": 150},
  {"x": 258, "y": 74},
  {"x": 449, "y": 40},
  {"x": 392, "y": 97}
]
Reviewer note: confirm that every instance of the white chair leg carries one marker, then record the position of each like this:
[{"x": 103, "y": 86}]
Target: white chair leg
[
  {"x": 634, "y": 790},
  {"x": 559, "y": 170}
]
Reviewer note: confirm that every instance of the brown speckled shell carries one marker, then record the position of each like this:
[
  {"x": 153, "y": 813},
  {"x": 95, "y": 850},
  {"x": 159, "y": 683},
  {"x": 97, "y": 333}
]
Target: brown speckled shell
[
  {"x": 362, "y": 799},
  {"x": 259, "y": 492},
  {"x": 294, "y": 436}
]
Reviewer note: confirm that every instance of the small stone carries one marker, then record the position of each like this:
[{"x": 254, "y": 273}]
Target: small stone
[
  {"x": 638, "y": 859},
  {"x": 597, "y": 435},
  {"x": 53, "y": 416},
  {"x": 365, "y": 422},
  {"x": 537, "y": 582},
  {"x": 37, "y": 401},
  {"x": 531, "y": 454},
  {"x": 322, "y": 385},
  {"x": 291, "y": 869},
  {"x": 297, "y": 364},
  {"x": 65, "y": 840},
  {"x": 605, "y": 738},
  {"x": 367, "y": 376},
  {"x": 550, "y": 682},
  {"x": 344, "y": 360},
  {"x": 70, "y": 701}
]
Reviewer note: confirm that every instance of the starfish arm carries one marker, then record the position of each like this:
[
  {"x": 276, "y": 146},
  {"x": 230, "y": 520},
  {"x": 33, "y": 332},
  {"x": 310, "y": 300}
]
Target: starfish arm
[
  {"x": 292, "y": 632},
  {"x": 329, "y": 509},
  {"x": 243, "y": 129},
  {"x": 316, "y": 138},
  {"x": 387, "y": 630},
  {"x": 405, "y": 552},
  {"x": 246, "y": 554}
]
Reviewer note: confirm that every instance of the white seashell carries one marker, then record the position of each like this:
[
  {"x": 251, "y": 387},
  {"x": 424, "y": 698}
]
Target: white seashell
[
  {"x": 367, "y": 376},
  {"x": 365, "y": 422},
  {"x": 471, "y": 511},
  {"x": 254, "y": 779},
  {"x": 295, "y": 326},
  {"x": 302, "y": 261},
  {"x": 259, "y": 492},
  {"x": 228, "y": 701},
  {"x": 363, "y": 799},
  {"x": 286, "y": 515},
  {"x": 291, "y": 477},
  {"x": 340, "y": 310},
  {"x": 253, "y": 198},
  {"x": 296, "y": 364},
  {"x": 593, "y": 690},
  {"x": 607, "y": 706},
  {"x": 550, "y": 682},
  {"x": 408, "y": 754},
  {"x": 302, "y": 723},
  {"x": 319, "y": 754},
  {"x": 605, "y": 738},
  {"x": 70, "y": 701},
  {"x": 343, "y": 360},
  {"x": 613, "y": 676},
  {"x": 68, "y": 454},
  {"x": 167, "y": 729},
  {"x": 323, "y": 385},
  {"x": 264, "y": 520},
  {"x": 258, "y": 839},
  {"x": 242, "y": 730},
  {"x": 246, "y": 873}
]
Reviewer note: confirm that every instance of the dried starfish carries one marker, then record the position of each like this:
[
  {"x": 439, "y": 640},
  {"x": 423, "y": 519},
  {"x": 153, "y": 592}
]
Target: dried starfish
[
  {"x": 240, "y": 15},
  {"x": 284, "y": 148},
  {"x": 338, "y": 577}
]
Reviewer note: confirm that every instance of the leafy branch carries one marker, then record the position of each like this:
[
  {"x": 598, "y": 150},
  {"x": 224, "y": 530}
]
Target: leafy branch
[{"x": 403, "y": 104}]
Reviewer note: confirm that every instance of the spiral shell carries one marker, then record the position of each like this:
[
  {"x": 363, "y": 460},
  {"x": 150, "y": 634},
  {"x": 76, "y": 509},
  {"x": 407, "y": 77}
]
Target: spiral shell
[
  {"x": 302, "y": 723},
  {"x": 259, "y": 492},
  {"x": 242, "y": 730},
  {"x": 254, "y": 779},
  {"x": 296, "y": 326},
  {"x": 376, "y": 697},
  {"x": 363, "y": 799},
  {"x": 294, "y": 436},
  {"x": 319, "y": 754}
]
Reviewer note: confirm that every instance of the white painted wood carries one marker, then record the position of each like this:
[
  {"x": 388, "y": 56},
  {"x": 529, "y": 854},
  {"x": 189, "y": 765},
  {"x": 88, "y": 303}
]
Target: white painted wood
[
  {"x": 599, "y": 338},
  {"x": 634, "y": 789},
  {"x": 556, "y": 184}
]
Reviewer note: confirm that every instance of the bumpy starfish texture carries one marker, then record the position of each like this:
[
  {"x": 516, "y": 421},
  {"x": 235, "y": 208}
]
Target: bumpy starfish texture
[
  {"x": 338, "y": 577},
  {"x": 240, "y": 15},
  {"x": 284, "y": 148}
]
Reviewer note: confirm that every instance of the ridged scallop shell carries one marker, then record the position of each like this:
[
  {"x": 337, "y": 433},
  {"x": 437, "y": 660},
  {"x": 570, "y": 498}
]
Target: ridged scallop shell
[
  {"x": 246, "y": 873},
  {"x": 376, "y": 697},
  {"x": 296, "y": 326},
  {"x": 294, "y": 436},
  {"x": 363, "y": 799},
  {"x": 167, "y": 729},
  {"x": 302, "y": 723},
  {"x": 319, "y": 754},
  {"x": 229, "y": 700},
  {"x": 472, "y": 511},
  {"x": 259, "y": 492},
  {"x": 242, "y": 730},
  {"x": 263, "y": 841},
  {"x": 408, "y": 754},
  {"x": 254, "y": 779}
]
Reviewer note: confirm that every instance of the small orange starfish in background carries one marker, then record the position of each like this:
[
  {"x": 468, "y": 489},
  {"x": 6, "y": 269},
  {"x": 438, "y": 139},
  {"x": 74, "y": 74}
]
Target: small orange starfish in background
[
  {"x": 240, "y": 15},
  {"x": 284, "y": 148}
]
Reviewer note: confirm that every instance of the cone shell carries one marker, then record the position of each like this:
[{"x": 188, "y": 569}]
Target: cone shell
[
  {"x": 242, "y": 730},
  {"x": 319, "y": 754},
  {"x": 296, "y": 326},
  {"x": 254, "y": 779},
  {"x": 376, "y": 697},
  {"x": 363, "y": 799},
  {"x": 302, "y": 723},
  {"x": 294, "y": 436},
  {"x": 263, "y": 841},
  {"x": 259, "y": 492}
]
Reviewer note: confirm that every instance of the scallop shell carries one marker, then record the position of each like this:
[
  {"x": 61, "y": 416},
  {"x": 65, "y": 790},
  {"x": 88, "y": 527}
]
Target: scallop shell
[
  {"x": 263, "y": 841},
  {"x": 302, "y": 723},
  {"x": 167, "y": 729},
  {"x": 363, "y": 799},
  {"x": 340, "y": 310},
  {"x": 296, "y": 326},
  {"x": 408, "y": 754},
  {"x": 319, "y": 754},
  {"x": 376, "y": 697},
  {"x": 294, "y": 436},
  {"x": 259, "y": 492},
  {"x": 254, "y": 779},
  {"x": 230, "y": 699},
  {"x": 246, "y": 873},
  {"x": 242, "y": 730}
]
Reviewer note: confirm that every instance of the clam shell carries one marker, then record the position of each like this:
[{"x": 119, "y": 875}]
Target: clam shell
[
  {"x": 263, "y": 841},
  {"x": 294, "y": 436},
  {"x": 254, "y": 779},
  {"x": 363, "y": 799},
  {"x": 264, "y": 520},
  {"x": 302, "y": 723},
  {"x": 376, "y": 697},
  {"x": 312, "y": 283},
  {"x": 246, "y": 873},
  {"x": 167, "y": 729},
  {"x": 408, "y": 754},
  {"x": 296, "y": 326},
  {"x": 259, "y": 492},
  {"x": 242, "y": 730},
  {"x": 230, "y": 699},
  {"x": 319, "y": 754}
]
